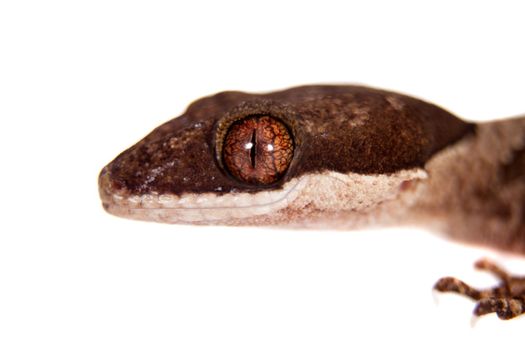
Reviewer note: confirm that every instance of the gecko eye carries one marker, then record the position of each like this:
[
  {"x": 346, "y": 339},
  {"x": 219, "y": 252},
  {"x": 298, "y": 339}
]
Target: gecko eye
[{"x": 258, "y": 149}]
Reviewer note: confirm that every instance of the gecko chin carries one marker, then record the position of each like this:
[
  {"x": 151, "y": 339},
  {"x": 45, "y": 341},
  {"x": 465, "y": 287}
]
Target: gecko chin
[{"x": 327, "y": 199}]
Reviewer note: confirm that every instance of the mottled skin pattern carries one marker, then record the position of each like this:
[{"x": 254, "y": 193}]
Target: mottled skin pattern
[
  {"x": 474, "y": 190},
  {"x": 480, "y": 197}
]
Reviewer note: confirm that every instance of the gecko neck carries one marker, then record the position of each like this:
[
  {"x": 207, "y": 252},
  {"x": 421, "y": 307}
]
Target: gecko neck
[{"x": 476, "y": 188}]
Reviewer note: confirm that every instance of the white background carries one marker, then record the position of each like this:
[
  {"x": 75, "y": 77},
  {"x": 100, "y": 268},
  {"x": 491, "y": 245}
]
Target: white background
[{"x": 82, "y": 81}]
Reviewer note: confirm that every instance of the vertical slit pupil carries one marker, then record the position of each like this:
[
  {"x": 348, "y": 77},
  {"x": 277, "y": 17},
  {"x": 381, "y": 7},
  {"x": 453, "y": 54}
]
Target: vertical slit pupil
[{"x": 252, "y": 150}]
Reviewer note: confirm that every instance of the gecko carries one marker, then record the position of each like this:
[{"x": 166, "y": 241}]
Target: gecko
[{"x": 334, "y": 156}]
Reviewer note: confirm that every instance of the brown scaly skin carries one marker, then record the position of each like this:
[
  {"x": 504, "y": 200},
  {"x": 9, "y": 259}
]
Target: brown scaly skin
[
  {"x": 338, "y": 128},
  {"x": 507, "y": 299}
]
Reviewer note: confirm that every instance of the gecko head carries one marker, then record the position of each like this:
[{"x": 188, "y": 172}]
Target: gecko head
[{"x": 292, "y": 156}]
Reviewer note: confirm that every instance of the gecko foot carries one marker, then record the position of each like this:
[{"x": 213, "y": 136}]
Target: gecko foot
[{"x": 507, "y": 299}]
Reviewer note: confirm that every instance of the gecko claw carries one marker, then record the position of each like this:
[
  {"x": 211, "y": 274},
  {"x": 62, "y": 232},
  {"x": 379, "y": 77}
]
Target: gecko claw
[{"x": 474, "y": 320}]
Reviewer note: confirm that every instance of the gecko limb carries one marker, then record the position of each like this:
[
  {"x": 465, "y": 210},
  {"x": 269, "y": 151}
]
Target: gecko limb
[{"x": 507, "y": 299}]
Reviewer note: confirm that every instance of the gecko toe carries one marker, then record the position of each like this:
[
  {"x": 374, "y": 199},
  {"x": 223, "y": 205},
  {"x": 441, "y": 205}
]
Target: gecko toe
[
  {"x": 454, "y": 285},
  {"x": 505, "y": 308}
]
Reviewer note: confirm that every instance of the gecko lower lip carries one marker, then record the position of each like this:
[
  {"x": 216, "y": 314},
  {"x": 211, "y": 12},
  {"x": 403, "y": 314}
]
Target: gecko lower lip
[{"x": 196, "y": 208}]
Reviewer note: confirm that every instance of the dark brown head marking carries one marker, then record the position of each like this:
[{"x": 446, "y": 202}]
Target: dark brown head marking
[{"x": 336, "y": 128}]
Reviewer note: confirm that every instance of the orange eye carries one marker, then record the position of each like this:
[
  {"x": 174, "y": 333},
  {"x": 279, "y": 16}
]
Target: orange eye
[{"x": 258, "y": 149}]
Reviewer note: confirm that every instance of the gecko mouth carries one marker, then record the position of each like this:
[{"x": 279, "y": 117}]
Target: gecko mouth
[
  {"x": 324, "y": 192},
  {"x": 192, "y": 207}
]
